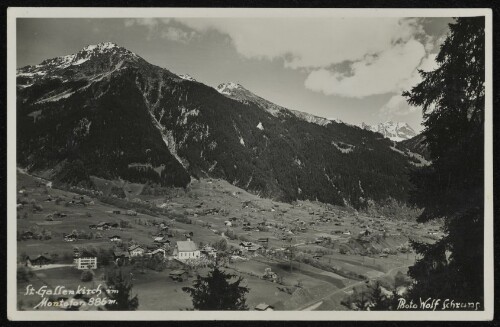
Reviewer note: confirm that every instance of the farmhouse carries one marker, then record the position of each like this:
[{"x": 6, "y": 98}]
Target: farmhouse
[
  {"x": 28, "y": 235},
  {"x": 249, "y": 246},
  {"x": 115, "y": 238},
  {"x": 245, "y": 245},
  {"x": 185, "y": 250},
  {"x": 178, "y": 275},
  {"x": 158, "y": 238},
  {"x": 136, "y": 251},
  {"x": 70, "y": 238},
  {"x": 37, "y": 261},
  {"x": 162, "y": 240},
  {"x": 209, "y": 251},
  {"x": 121, "y": 255},
  {"x": 158, "y": 252},
  {"x": 103, "y": 226}
]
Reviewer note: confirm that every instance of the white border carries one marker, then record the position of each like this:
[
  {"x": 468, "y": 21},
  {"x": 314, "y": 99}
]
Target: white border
[{"x": 14, "y": 314}]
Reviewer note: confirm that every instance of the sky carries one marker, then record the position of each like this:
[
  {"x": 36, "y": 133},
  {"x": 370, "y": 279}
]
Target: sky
[{"x": 352, "y": 69}]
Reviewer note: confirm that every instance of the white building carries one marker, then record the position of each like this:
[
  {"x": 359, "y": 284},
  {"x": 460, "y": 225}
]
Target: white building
[
  {"x": 136, "y": 251},
  {"x": 185, "y": 250},
  {"x": 86, "y": 263}
]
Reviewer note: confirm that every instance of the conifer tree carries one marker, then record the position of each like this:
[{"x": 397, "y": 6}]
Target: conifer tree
[
  {"x": 452, "y": 100},
  {"x": 217, "y": 292}
]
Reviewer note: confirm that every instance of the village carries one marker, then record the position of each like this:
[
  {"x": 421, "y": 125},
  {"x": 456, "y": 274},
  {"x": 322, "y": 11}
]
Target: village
[{"x": 293, "y": 256}]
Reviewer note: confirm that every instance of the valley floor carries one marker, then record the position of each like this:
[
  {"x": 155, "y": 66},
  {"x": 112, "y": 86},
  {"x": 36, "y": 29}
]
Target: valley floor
[{"x": 318, "y": 252}]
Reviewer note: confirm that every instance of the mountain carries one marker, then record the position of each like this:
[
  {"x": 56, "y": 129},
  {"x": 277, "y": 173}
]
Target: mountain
[
  {"x": 239, "y": 93},
  {"x": 416, "y": 144},
  {"x": 106, "y": 112},
  {"x": 396, "y": 131}
]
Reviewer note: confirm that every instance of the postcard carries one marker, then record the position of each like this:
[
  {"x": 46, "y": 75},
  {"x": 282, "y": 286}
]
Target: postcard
[{"x": 250, "y": 164}]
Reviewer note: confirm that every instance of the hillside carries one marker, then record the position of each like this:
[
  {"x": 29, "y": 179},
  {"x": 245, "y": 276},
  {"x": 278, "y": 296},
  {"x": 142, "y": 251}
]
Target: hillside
[
  {"x": 416, "y": 144},
  {"x": 111, "y": 114}
]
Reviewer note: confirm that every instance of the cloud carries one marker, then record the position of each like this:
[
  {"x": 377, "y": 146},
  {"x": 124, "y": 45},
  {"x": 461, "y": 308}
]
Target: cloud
[
  {"x": 396, "y": 106},
  {"x": 177, "y": 34},
  {"x": 309, "y": 42},
  {"x": 386, "y": 73},
  {"x": 381, "y": 54},
  {"x": 163, "y": 28}
]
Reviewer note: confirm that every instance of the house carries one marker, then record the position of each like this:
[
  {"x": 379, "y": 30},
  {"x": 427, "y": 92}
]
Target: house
[
  {"x": 347, "y": 232},
  {"x": 28, "y": 235},
  {"x": 115, "y": 238},
  {"x": 60, "y": 214},
  {"x": 103, "y": 226},
  {"x": 178, "y": 275},
  {"x": 121, "y": 255},
  {"x": 270, "y": 275},
  {"x": 162, "y": 240},
  {"x": 93, "y": 226},
  {"x": 70, "y": 238},
  {"x": 37, "y": 261},
  {"x": 158, "y": 238},
  {"x": 185, "y": 250},
  {"x": 244, "y": 246},
  {"x": 228, "y": 223},
  {"x": 254, "y": 248},
  {"x": 249, "y": 246},
  {"x": 158, "y": 252},
  {"x": 131, "y": 213},
  {"x": 84, "y": 262},
  {"x": 116, "y": 212},
  {"x": 263, "y": 239},
  {"x": 209, "y": 251},
  {"x": 136, "y": 250},
  {"x": 264, "y": 307}
]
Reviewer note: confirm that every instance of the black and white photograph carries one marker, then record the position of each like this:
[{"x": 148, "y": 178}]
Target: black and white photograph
[{"x": 210, "y": 163}]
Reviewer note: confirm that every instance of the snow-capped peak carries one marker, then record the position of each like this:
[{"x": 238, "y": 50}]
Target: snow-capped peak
[
  {"x": 396, "y": 131},
  {"x": 100, "y": 46},
  {"x": 87, "y": 53}
]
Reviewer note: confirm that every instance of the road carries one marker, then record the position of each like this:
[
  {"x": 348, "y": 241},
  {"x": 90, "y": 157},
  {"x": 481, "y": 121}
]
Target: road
[
  {"x": 51, "y": 266},
  {"x": 316, "y": 303}
]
